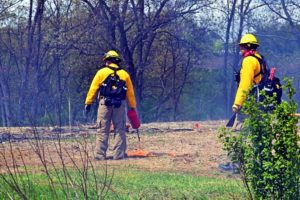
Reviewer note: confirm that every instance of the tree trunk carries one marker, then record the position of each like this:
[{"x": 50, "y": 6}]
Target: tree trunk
[
  {"x": 5, "y": 97},
  {"x": 226, "y": 49}
]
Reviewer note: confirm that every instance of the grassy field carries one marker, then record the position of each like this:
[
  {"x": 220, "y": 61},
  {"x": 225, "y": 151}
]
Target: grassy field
[
  {"x": 122, "y": 184},
  {"x": 135, "y": 185},
  {"x": 185, "y": 166}
]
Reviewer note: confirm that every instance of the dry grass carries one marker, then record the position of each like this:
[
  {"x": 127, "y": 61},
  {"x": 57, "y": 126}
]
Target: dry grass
[{"x": 177, "y": 147}]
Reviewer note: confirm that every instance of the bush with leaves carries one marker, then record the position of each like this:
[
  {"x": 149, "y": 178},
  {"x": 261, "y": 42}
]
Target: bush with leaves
[{"x": 267, "y": 148}]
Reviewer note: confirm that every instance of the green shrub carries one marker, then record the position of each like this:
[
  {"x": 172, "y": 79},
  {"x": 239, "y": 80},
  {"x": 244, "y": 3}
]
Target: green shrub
[{"x": 267, "y": 148}]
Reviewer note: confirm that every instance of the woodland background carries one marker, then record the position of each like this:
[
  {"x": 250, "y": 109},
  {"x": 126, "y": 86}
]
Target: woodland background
[{"x": 181, "y": 54}]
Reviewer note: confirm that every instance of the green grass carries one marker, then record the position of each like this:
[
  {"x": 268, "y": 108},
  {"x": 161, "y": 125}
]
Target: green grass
[
  {"x": 153, "y": 185},
  {"x": 131, "y": 184}
]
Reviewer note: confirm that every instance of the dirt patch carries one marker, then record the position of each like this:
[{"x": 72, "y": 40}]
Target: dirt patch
[{"x": 187, "y": 147}]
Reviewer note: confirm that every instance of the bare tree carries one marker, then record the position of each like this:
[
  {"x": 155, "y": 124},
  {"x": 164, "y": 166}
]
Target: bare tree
[
  {"x": 6, "y": 14},
  {"x": 133, "y": 27},
  {"x": 27, "y": 96},
  {"x": 230, "y": 19},
  {"x": 288, "y": 11}
]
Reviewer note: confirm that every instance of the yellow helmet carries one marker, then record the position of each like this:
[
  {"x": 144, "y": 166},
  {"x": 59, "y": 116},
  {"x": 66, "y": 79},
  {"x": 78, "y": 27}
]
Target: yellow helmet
[
  {"x": 111, "y": 54},
  {"x": 249, "y": 39}
]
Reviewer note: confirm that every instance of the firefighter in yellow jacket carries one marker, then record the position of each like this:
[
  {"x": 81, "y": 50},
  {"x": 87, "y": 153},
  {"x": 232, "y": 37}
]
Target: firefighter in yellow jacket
[
  {"x": 111, "y": 108},
  {"x": 250, "y": 74}
]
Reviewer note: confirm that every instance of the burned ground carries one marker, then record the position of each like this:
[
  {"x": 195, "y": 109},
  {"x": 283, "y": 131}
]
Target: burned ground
[{"x": 184, "y": 147}]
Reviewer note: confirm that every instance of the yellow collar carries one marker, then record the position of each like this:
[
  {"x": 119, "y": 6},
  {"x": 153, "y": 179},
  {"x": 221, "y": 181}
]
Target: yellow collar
[{"x": 113, "y": 65}]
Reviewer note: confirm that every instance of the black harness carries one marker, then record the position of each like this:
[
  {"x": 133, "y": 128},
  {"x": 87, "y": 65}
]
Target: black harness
[
  {"x": 113, "y": 89},
  {"x": 263, "y": 68}
]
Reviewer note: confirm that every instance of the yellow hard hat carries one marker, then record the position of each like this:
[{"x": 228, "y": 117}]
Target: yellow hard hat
[
  {"x": 249, "y": 39},
  {"x": 111, "y": 54}
]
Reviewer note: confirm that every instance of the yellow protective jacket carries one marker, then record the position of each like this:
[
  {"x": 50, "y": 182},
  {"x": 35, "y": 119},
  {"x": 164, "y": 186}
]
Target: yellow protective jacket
[
  {"x": 99, "y": 78},
  {"x": 250, "y": 68}
]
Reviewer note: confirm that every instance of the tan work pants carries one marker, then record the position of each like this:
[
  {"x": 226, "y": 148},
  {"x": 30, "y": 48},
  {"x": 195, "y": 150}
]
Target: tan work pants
[{"x": 106, "y": 115}]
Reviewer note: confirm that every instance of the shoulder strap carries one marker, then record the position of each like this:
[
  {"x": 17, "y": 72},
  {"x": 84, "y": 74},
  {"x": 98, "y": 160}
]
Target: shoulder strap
[
  {"x": 261, "y": 64},
  {"x": 115, "y": 69}
]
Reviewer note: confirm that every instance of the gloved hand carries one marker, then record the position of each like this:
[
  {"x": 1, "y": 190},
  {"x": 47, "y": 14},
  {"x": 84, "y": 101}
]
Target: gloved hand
[
  {"x": 87, "y": 109},
  {"x": 236, "y": 108}
]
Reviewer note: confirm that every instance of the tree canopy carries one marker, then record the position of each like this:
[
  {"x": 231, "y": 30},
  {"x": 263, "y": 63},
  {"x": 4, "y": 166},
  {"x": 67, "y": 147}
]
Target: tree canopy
[{"x": 180, "y": 54}]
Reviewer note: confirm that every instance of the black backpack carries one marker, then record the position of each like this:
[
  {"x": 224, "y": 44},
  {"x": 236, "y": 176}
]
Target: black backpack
[
  {"x": 113, "y": 89},
  {"x": 269, "y": 83}
]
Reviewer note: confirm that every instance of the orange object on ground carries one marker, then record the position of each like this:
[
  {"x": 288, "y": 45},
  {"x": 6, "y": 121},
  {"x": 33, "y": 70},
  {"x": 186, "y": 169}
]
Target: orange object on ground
[
  {"x": 133, "y": 118},
  {"x": 196, "y": 125},
  {"x": 138, "y": 153},
  {"x": 172, "y": 154}
]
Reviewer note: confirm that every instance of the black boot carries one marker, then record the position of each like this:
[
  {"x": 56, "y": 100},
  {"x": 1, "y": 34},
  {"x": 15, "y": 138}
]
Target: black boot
[{"x": 229, "y": 167}]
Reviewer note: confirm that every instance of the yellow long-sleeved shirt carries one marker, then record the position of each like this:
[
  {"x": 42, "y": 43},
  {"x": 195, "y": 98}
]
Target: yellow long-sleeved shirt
[
  {"x": 99, "y": 78},
  {"x": 250, "y": 67}
]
